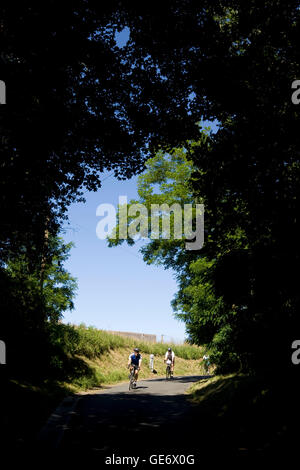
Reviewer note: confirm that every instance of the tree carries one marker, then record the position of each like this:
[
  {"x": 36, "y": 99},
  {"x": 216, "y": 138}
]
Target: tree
[
  {"x": 58, "y": 286},
  {"x": 29, "y": 310},
  {"x": 222, "y": 289},
  {"x": 168, "y": 179}
]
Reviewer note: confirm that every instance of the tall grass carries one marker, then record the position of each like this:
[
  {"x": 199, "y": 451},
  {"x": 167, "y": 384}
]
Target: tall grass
[{"x": 92, "y": 343}]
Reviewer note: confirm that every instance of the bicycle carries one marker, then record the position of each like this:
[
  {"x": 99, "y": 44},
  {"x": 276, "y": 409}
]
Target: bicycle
[
  {"x": 168, "y": 370},
  {"x": 132, "y": 383},
  {"x": 206, "y": 368},
  {"x": 206, "y": 364}
]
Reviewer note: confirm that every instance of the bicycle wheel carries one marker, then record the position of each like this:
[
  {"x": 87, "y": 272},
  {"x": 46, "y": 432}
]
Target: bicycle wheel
[{"x": 131, "y": 381}]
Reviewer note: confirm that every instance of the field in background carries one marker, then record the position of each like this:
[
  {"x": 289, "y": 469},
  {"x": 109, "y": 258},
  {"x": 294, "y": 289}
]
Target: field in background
[
  {"x": 140, "y": 336},
  {"x": 93, "y": 342},
  {"x": 103, "y": 357}
]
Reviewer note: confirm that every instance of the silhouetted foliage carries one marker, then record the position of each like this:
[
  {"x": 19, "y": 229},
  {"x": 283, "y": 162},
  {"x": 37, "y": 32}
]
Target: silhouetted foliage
[
  {"x": 32, "y": 304},
  {"x": 79, "y": 103}
]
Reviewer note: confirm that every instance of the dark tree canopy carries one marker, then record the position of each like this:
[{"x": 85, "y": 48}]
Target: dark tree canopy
[{"x": 79, "y": 103}]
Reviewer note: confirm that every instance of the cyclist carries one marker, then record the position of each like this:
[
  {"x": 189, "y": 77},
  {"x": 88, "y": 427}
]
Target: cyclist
[
  {"x": 206, "y": 363},
  {"x": 135, "y": 361},
  {"x": 170, "y": 356}
]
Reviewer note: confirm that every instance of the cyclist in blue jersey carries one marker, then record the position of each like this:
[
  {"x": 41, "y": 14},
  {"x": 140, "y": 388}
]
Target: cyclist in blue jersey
[{"x": 135, "y": 360}]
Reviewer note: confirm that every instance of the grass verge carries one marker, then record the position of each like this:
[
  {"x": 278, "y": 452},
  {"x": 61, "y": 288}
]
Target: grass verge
[
  {"x": 111, "y": 368},
  {"x": 246, "y": 414}
]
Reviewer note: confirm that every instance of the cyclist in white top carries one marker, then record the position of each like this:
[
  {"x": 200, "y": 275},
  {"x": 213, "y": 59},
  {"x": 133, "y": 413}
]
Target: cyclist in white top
[
  {"x": 170, "y": 359},
  {"x": 206, "y": 363}
]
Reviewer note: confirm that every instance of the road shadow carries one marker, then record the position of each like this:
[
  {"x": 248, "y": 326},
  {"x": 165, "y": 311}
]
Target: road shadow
[
  {"x": 140, "y": 424},
  {"x": 105, "y": 422},
  {"x": 108, "y": 423},
  {"x": 183, "y": 379}
]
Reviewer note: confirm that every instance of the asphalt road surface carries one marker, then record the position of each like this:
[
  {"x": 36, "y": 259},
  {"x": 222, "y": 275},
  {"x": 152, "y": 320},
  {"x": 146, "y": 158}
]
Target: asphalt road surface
[
  {"x": 155, "y": 418},
  {"x": 114, "y": 426}
]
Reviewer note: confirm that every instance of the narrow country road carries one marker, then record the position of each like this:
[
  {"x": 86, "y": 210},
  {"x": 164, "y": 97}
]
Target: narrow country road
[
  {"x": 156, "y": 418},
  {"x": 117, "y": 427}
]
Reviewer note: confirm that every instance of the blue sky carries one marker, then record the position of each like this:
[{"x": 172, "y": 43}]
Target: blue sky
[{"x": 116, "y": 289}]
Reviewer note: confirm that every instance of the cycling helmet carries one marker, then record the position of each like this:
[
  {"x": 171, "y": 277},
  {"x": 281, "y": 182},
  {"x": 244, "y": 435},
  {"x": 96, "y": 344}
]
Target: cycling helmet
[
  {"x": 169, "y": 349},
  {"x": 136, "y": 350}
]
